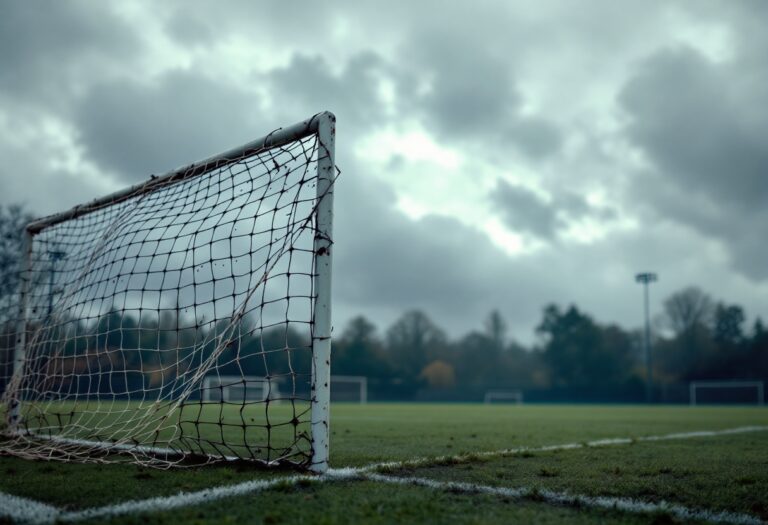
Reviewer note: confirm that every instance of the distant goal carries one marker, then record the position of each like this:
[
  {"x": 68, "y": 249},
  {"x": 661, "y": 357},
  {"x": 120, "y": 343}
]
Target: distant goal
[
  {"x": 349, "y": 389},
  {"x": 184, "y": 320},
  {"x": 727, "y": 392},
  {"x": 240, "y": 389},
  {"x": 514, "y": 397}
]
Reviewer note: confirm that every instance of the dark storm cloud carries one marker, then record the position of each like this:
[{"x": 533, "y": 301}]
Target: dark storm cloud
[
  {"x": 524, "y": 211},
  {"x": 535, "y": 136},
  {"x": 139, "y": 129},
  {"x": 49, "y": 48},
  {"x": 386, "y": 263},
  {"x": 466, "y": 84},
  {"x": 703, "y": 126},
  {"x": 308, "y": 83},
  {"x": 472, "y": 94},
  {"x": 690, "y": 118}
]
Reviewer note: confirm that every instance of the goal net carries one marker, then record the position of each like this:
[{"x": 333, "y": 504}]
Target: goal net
[{"x": 185, "y": 320}]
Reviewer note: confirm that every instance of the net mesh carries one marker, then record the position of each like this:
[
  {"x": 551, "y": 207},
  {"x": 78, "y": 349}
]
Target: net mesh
[{"x": 174, "y": 327}]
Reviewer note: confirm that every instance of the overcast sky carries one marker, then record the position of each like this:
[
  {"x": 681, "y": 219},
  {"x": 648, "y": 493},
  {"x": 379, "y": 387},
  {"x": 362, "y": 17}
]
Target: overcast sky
[{"x": 493, "y": 154}]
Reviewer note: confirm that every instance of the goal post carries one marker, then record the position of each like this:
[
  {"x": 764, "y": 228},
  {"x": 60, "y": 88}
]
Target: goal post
[
  {"x": 503, "y": 396},
  {"x": 214, "y": 274},
  {"x": 757, "y": 386}
]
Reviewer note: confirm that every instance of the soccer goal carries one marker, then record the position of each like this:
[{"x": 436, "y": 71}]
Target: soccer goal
[
  {"x": 165, "y": 321},
  {"x": 351, "y": 389},
  {"x": 504, "y": 396},
  {"x": 713, "y": 392},
  {"x": 240, "y": 389}
]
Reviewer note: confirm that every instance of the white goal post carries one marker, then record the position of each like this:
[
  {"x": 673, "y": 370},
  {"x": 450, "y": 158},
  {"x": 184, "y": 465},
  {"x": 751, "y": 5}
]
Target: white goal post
[
  {"x": 358, "y": 385},
  {"x": 161, "y": 321},
  {"x": 504, "y": 396},
  {"x": 757, "y": 386}
]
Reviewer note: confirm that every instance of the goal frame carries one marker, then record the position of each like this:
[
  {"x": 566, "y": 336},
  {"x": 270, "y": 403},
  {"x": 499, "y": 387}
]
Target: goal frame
[
  {"x": 758, "y": 385},
  {"x": 503, "y": 395},
  {"x": 324, "y": 126},
  {"x": 361, "y": 380}
]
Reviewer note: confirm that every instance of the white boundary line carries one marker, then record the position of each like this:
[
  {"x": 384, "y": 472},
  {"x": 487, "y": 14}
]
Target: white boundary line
[
  {"x": 418, "y": 462},
  {"x": 630, "y": 505},
  {"x": 29, "y": 511},
  {"x": 24, "y": 510},
  {"x": 122, "y": 447}
]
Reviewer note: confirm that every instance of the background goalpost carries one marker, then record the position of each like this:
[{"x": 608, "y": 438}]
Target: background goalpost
[
  {"x": 349, "y": 388},
  {"x": 757, "y": 386},
  {"x": 503, "y": 396},
  {"x": 130, "y": 306},
  {"x": 240, "y": 389}
]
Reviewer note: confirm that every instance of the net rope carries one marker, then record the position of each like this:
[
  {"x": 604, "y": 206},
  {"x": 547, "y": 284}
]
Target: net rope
[{"x": 174, "y": 327}]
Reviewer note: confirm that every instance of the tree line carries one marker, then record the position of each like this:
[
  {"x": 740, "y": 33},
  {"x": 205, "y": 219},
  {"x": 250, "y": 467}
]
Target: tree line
[{"x": 575, "y": 357}]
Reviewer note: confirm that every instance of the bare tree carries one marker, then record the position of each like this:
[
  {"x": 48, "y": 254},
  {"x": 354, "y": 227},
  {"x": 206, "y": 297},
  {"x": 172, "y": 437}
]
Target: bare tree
[
  {"x": 496, "y": 329},
  {"x": 689, "y": 308},
  {"x": 13, "y": 218}
]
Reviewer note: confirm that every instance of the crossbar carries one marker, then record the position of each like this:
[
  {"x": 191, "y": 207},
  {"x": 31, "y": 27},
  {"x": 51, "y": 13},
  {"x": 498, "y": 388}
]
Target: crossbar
[{"x": 274, "y": 139}]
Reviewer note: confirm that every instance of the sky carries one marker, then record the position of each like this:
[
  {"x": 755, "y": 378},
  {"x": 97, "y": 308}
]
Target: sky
[{"x": 494, "y": 154}]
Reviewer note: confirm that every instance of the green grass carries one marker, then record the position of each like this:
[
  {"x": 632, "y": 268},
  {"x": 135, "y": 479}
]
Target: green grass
[
  {"x": 402, "y": 431},
  {"x": 254, "y": 430},
  {"x": 728, "y": 473},
  {"x": 725, "y": 472},
  {"x": 365, "y": 502}
]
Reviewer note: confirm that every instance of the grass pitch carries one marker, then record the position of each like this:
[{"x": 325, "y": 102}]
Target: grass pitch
[{"x": 721, "y": 473}]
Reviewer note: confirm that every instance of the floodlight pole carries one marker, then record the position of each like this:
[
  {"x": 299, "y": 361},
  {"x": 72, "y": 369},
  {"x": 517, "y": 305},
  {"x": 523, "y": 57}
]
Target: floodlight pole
[{"x": 646, "y": 278}]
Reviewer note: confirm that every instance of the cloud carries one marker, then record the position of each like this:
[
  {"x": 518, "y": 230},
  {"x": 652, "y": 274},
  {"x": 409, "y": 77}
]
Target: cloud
[
  {"x": 703, "y": 129},
  {"x": 138, "y": 129},
  {"x": 549, "y": 96},
  {"x": 696, "y": 125},
  {"x": 386, "y": 263},
  {"x": 467, "y": 91},
  {"x": 309, "y": 84},
  {"x": 525, "y": 211},
  {"x": 49, "y": 50}
]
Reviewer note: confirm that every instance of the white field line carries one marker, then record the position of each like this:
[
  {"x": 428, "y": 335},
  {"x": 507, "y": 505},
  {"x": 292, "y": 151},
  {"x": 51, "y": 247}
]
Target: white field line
[
  {"x": 26, "y": 510},
  {"x": 563, "y": 498},
  {"x": 35, "y": 514},
  {"x": 425, "y": 461},
  {"x": 23, "y": 510},
  {"x": 120, "y": 447},
  {"x": 185, "y": 499}
]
